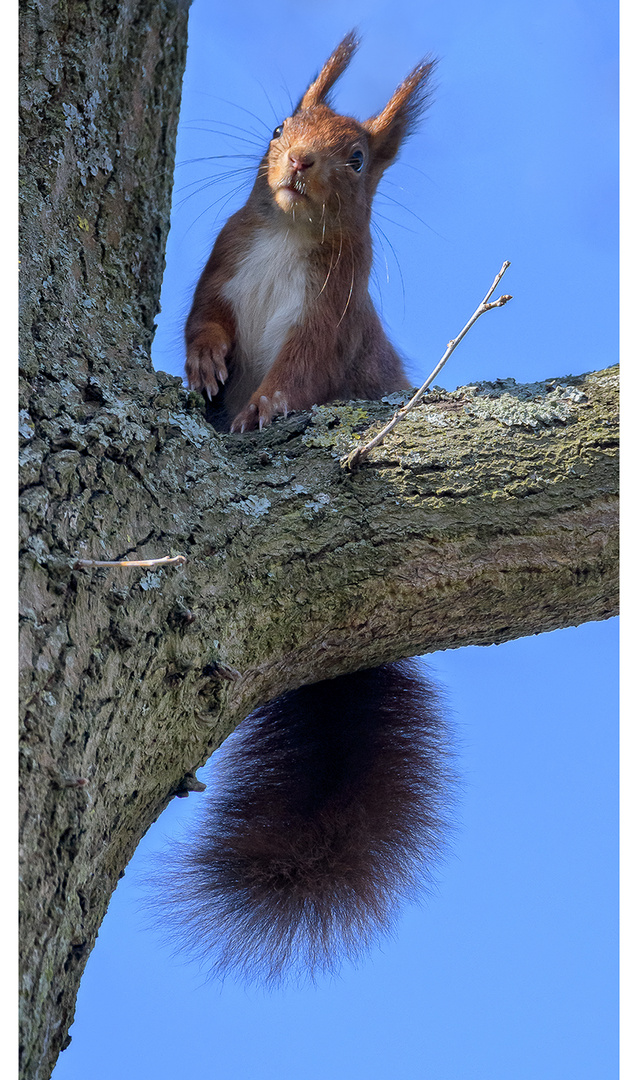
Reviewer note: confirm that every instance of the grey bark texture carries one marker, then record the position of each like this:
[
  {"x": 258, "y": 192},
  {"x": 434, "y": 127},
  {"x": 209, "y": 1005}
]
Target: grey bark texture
[{"x": 490, "y": 513}]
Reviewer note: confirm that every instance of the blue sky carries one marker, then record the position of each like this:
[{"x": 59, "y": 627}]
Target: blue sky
[{"x": 508, "y": 971}]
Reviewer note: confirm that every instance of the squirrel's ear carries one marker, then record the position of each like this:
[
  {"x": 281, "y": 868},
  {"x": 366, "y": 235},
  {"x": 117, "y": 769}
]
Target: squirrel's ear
[
  {"x": 334, "y": 66},
  {"x": 388, "y": 130}
]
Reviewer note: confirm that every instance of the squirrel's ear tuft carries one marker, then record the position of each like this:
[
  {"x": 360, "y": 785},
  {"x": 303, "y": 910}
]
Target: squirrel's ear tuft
[
  {"x": 388, "y": 130},
  {"x": 334, "y": 66}
]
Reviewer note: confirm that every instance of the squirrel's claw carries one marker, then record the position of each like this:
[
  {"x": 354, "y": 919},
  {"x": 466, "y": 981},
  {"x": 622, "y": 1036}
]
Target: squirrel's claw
[
  {"x": 259, "y": 412},
  {"x": 206, "y": 365}
]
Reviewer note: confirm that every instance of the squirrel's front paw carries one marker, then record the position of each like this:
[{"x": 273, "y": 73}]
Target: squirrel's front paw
[
  {"x": 206, "y": 361},
  {"x": 259, "y": 411}
]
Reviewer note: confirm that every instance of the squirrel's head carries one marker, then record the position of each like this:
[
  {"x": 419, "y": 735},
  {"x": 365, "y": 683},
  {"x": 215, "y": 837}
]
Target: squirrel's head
[{"x": 322, "y": 168}]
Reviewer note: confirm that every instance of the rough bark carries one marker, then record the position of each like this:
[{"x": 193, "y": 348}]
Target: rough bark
[
  {"x": 99, "y": 97},
  {"x": 489, "y": 514}
]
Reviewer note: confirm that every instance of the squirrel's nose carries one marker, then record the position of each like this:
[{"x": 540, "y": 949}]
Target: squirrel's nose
[{"x": 300, "y": 161}]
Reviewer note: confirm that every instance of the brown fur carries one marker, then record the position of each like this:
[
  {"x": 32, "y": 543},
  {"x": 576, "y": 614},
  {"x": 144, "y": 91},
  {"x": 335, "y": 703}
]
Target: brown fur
[
  {"x": 329, "y": 808},
  {"x": 306, "y": 190}
]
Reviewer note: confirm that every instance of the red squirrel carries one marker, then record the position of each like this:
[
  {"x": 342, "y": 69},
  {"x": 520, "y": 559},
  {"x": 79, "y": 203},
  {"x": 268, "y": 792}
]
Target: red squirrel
[
  {"x": 330, "y": 803},
  {"x": 282, "y": 318}
]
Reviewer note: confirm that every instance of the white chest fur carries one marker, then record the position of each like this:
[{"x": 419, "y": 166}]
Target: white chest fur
[{"x": 268, "y": 296}]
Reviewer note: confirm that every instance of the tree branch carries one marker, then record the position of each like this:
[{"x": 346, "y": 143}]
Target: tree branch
[{"x": 491, "y": 515}]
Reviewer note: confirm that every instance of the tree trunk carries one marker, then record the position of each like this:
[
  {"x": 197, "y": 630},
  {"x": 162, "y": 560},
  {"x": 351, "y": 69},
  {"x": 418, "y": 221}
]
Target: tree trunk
[
  {"x": 490, "y": 513},
  {"x": 99, "y": 96}
]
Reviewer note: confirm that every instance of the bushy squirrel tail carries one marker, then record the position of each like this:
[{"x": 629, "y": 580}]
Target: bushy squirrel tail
[{"x": 329, "y": 807}]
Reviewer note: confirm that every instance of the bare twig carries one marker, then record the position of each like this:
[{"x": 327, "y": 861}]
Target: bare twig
[
  {"x": 355, "y": 457},
  {"x": 131, "y": 562}
]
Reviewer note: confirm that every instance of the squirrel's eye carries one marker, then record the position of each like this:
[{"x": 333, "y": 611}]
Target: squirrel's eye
[
  {"x": 277, "y": 132},
  {"x": 355, "y": 161}
]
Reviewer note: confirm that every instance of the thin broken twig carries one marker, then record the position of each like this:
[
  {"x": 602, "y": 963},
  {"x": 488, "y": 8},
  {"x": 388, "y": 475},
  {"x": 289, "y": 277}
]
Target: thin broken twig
[
  {"x": 352, "y": 460},
  {"x": 164, "y": 561}
]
